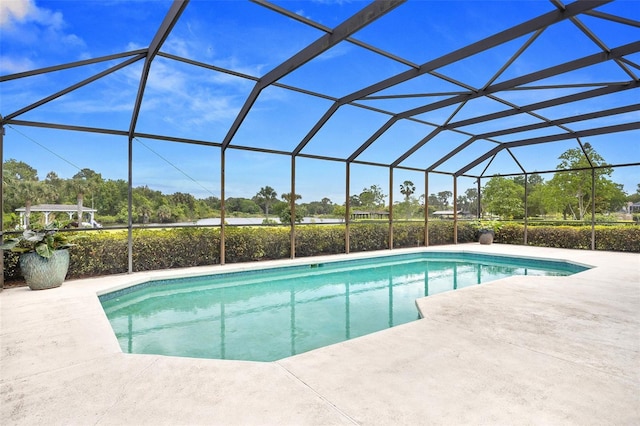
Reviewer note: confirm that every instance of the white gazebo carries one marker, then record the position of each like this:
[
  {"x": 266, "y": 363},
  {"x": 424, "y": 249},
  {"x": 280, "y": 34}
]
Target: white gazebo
[{"x": 47, "y": 209}]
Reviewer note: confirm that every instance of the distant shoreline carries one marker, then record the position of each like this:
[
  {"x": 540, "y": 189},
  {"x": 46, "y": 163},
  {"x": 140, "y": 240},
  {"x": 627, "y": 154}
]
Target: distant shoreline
[{"x": 258, "y": 220}]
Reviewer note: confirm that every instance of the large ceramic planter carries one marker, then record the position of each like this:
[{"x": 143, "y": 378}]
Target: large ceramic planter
[
  {"x": 41, "y": 273},
  {"x": 486, "y": 237}
]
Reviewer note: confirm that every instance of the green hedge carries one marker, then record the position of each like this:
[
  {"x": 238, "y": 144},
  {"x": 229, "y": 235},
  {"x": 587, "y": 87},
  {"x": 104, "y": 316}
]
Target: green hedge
[
  {"x": 249, "y": 244},
  {"x": 175, "y": 248},
  {"x": 408, "y": 235},
  {"x": 98, "y": 253},
  {"x": 315, "y": 240},
  {"x": 607, "y": 237},
  {"x": 510, "y": 233},
  {"x": 619, "y": 238},
  {"x": 368, "y": 236},
  {"x": 105, "y": 252}
]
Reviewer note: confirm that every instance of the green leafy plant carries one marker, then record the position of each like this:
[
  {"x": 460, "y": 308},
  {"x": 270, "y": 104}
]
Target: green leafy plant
[
  {"x": 43, "y": 241},
  {"x": 489, "y": 225}
]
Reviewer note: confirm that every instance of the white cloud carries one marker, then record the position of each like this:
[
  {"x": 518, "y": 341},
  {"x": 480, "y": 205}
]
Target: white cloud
[
  {"x": 178, "y": 46},
  {"x": 14, "y": 10},
  {"x": 134, "y": 46},
  {"x": 47, "y": 18},
  {"x": 25, "y": 27},
  {"x": 15, "y": 65},
  {"x": 106, "y": 104},
  {"x": 184, "y": 100},
  {"x": 196, "y": 46},
  {"x": 167, "y": 79},
  {"x": 24, "y": 22},
  {"x": 210, "y": 109}
]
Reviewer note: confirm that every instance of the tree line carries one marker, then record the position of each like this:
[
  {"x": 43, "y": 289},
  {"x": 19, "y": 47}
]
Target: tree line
[
  {"x": 24, "y": 188},
  {"x": 566, "y": 194}
]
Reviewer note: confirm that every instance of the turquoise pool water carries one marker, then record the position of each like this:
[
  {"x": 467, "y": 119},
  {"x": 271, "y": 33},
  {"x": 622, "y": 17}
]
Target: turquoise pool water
[{"x": 265, "y": 315}]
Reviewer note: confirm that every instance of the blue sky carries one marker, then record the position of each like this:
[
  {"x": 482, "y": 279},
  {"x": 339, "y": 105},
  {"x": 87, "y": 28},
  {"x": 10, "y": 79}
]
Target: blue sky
[{"x": 186, "y": 101}]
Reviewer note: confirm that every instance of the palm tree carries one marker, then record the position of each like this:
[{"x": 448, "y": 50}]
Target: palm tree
[
  {"x": 144, "y": 210},
  {"x": 266, "y": 196},
  {"x": 30, "y": 191},
  {"x": 86, "y": 180},
  {"x": 287, "y": 197},
  {"x": 54, "y": 187},
  {"x": 407, "y": 188},
  {"x": 164, "y": 213},
  {"x": 285, "y": 215}
]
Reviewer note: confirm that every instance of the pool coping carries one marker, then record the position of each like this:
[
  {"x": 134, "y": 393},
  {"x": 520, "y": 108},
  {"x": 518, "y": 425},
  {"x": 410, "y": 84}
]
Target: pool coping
[
  {"x": 87, "y": 379},
  {"x": 310, "y": 262},
  {"x": 229, "y": 268}
]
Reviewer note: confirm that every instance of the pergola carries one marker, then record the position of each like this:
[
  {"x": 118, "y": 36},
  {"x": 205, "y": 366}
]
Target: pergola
[
  {"x": 504, "y": 138},
  {"x": 47, "y": 209}
]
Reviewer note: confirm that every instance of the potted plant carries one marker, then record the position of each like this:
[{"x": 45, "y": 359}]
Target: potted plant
[
  {"x": 44, "y": 258},
  {"x": 487, "y": 232},
  {"x": 486, "y": 236}
]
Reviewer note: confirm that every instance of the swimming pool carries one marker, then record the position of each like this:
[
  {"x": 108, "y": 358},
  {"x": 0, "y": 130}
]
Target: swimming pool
[{"x": 269, "y": 314}]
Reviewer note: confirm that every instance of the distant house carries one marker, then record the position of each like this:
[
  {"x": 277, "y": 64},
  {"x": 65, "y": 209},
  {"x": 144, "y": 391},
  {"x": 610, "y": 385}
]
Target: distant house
[
  {"x": 363, "y": 214},
  {"x": 445, "y": 214},
  {"x": 69, "y": 209},
  {"x": 634, "y": 208}
]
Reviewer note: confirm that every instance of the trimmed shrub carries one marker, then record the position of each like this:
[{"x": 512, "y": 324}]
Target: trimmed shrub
[
  {"x": 618, "y": 238},
  {"x": 243, "y": 245},
  {"x": 276, "y": 242},
  {"x": 607, "y": 237},
  {"x": 315, "y": 240},
  {"x": 104, "y": 252},
  {"x": 510, "y": 233},
  {"x": 368, "y": 236},
  {"x": 98, "y": 253},
  {"x": 408, "y": 234},
  {"x": 557, "y": 236},
  {"x": 175, "y": 248},
  {"x": 467, "y": 232},
  {"x": 440, "y": 232}
]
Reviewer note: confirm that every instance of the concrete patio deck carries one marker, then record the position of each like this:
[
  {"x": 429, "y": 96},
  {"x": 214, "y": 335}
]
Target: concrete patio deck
[{"x": 522, "y": 350}]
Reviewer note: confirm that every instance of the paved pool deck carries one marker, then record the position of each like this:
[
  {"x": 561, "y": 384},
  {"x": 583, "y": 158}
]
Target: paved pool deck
[{"x": 521, "y": 350}]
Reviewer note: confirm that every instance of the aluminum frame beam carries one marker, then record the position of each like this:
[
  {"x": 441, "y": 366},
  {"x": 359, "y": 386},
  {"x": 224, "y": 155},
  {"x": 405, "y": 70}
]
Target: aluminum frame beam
[
  {"x": 518, "y": 81},
  {"x": 537, "y": 126},
  {"x": 560, "y": 121},
  {"x": 552, "y": 138},
  {"x": 545, "y": 104},
  {"x": 505, "y": 36},
  {"x": 356, "y": 22},
  {"x": 71, "y": 65},
  {"x": 586, "y": 61},
  {"x": 72, "y": 88},
  {"x": 171, "y": 18}
]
